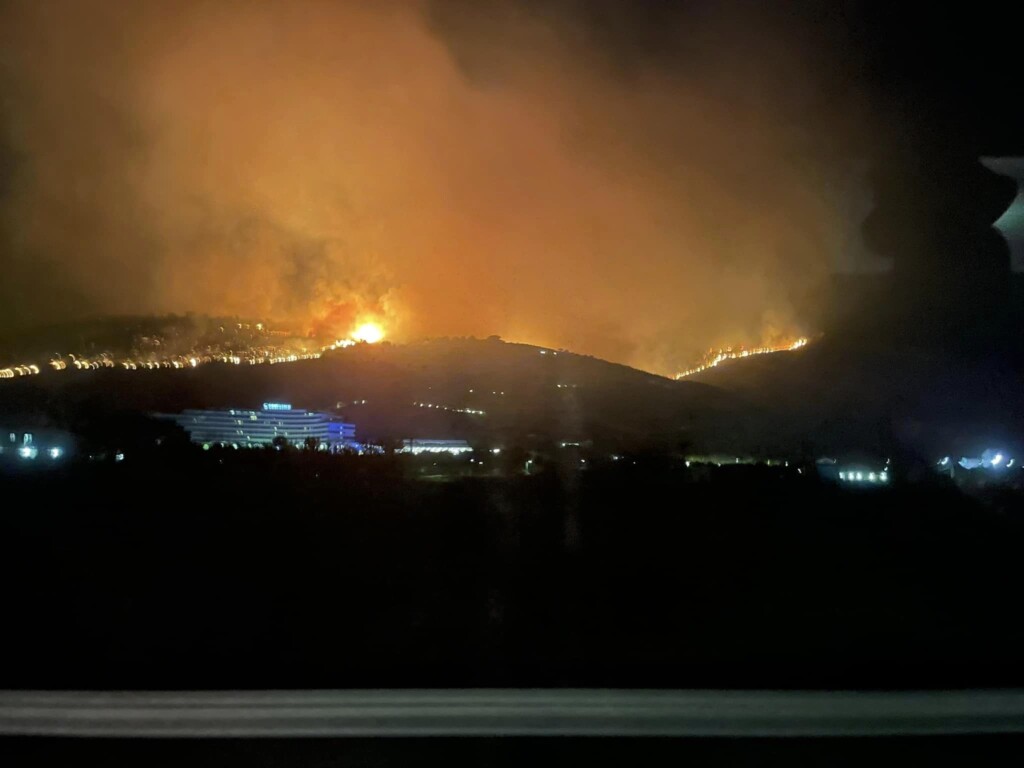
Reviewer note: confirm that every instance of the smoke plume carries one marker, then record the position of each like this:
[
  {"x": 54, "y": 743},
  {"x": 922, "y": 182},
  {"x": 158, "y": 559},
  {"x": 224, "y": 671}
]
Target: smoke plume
[{"x": 616, "y": 178}]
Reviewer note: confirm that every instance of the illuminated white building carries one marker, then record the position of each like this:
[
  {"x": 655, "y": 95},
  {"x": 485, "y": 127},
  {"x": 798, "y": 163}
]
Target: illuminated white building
[{"x": 251, "y": 428}]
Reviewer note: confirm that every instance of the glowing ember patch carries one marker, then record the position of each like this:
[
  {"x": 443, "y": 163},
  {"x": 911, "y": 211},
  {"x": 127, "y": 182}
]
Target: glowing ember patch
[
  {"x": 371, "y": 333},
  {"x": 716, "y": 357}
]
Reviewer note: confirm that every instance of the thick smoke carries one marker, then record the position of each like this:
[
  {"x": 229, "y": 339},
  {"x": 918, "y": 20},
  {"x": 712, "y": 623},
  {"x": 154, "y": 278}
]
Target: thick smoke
[{"x": 572, "y": 174}]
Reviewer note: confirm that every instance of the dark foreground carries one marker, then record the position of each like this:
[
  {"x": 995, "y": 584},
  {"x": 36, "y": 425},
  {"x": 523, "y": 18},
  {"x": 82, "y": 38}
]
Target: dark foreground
[{"x": 307, "y": 572}]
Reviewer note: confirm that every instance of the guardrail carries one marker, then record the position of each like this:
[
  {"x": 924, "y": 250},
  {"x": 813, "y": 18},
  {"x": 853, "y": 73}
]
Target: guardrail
[{"x": 401, "y": 713}]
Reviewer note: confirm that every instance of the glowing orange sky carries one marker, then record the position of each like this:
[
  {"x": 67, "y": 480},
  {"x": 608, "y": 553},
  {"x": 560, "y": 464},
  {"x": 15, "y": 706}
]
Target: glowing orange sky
[{"x": 324, "y": 163}]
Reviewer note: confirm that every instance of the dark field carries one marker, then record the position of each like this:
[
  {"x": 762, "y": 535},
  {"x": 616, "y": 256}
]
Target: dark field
[{"x": 305, "y": 571}]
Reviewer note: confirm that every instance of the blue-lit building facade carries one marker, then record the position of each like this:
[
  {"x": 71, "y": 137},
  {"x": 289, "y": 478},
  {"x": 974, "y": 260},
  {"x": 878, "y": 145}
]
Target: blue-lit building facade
[{"x": 258, "y": 428}]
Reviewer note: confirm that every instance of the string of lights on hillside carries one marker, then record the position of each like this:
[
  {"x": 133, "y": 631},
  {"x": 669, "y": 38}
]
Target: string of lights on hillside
[
  {"x": 472, "y": 411},
  {"x": 719, "y": 356}
]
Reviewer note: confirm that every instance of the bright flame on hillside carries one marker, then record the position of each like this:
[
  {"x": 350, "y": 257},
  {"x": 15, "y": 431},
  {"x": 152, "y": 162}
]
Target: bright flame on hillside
[
  {"x": 371, "y": 333},
  {"x": 716, "y": 357}
]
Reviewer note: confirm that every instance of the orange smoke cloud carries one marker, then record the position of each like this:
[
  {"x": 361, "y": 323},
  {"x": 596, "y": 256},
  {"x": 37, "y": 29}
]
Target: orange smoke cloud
[{"x": 320, "y": 162}]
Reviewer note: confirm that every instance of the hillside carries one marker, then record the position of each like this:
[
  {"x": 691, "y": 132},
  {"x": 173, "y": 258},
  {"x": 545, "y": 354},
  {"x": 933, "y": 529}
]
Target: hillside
[
  {"x": 842, "y": 392},
  {"x": 846, "y": 392},
  {"x": 441, "y": 388}
]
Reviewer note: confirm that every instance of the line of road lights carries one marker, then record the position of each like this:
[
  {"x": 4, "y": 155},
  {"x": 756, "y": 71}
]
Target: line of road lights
[
  {"x": 860, "y": 477},
  {"x": 31, "y": 452}
]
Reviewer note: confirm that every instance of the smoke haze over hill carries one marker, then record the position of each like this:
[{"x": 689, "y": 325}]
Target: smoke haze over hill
[{"x": 637, "y": 186}]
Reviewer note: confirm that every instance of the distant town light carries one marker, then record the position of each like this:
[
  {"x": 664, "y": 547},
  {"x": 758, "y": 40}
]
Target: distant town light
[
  {"x": 56, "y": 453},
  {"x": 991, "y": 458},
  {"x": 495, "y": 450},
  {"x": 418, "y": 446},
  {"x": 28, "y": 451}
]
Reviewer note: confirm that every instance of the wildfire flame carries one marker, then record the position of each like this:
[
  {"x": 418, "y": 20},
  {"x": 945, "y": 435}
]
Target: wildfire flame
[
  {"x": 716, "y": 357},
  {"x": 370, "y": 332}
]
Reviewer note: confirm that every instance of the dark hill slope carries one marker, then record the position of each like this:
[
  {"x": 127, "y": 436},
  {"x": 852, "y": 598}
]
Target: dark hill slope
[{"x": 520, "y": 389}]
